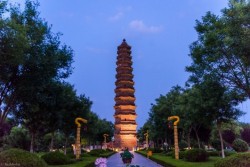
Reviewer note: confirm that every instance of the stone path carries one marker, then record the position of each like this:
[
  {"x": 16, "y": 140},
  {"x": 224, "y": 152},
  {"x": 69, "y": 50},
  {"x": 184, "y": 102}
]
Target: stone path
[{"x": 116, "y": 161}]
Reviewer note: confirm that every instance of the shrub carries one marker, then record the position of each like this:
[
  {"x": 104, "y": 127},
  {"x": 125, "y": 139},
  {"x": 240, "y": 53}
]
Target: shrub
[
  {"x": 183, "y": 144},
  {"x": 237, "y": 160},
  {"x": 56, "y": 158},
  {"x": 218, "y": 153},
  {"x": 196, "y": 155},
  {"x": 181, "y": 154},
  {"x": 228, "y": 153},
  {"x": 213, "y": 153},
  {"x": 21, "y": 158},
  {"x": 216, "y": 144},
  {"x": 97, "y": 152},
  {"x": 240, "y": 145},
  {"x": 155, "y": 150},
  {"x": 170, "y": 153}
]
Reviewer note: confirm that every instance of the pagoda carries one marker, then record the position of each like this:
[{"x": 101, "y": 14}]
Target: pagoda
[{"x": 125, "y": 124}]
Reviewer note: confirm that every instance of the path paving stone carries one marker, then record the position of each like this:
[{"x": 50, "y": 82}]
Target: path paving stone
[{"x": 116, "y": 161}]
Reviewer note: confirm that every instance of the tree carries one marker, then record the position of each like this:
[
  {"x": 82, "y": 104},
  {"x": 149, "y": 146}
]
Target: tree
[
  {"x": 13, "y": 43},
  {"x": 222, "y": 48},
  {"x": 73, "y": 106},
  {"x": 164, "y": 107},
  {"x": 104, "y": 127},
  {"x": 219, "y": 104},
  {"x": 190, "y": 111},
  {"x": 40, "y": 61},
  {"x": 18, "y": 138},
  {"x": 228, "y": 136},
  {"x": 245, "y": 135}
]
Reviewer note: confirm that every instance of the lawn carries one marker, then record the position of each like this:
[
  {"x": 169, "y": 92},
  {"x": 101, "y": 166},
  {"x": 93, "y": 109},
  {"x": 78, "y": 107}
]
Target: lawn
[
  {"x": 181, "y": 163},
  {"x": 85, "y": 162}
]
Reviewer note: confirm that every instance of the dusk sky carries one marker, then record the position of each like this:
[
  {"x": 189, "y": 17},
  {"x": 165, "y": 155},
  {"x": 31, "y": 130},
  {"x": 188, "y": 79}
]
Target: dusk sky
[{"x": 159, "y": 32}]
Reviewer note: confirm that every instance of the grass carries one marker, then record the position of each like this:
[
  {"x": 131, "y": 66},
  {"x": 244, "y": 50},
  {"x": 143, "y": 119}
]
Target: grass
[
  {"x": 85, "y": 162},
  {"x": 171, "y": 162}
]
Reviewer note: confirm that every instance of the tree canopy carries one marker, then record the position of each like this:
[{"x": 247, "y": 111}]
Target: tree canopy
[
  {"x": 222, "y": 48},
  {"x": 33, "y": 67}
]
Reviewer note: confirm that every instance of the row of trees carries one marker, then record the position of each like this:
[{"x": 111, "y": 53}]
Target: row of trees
[
  {"x": 219, "y": 81},
  {"x": 33, "y": 68}
]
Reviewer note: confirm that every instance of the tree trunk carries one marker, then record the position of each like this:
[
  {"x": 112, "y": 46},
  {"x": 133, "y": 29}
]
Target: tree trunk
[
  {"x": 197, "y": 137},
  {"x": 65, "y": 145},
  {"x": 52, "y": 141},
  {"x": 32, "y": 142},
  {"x": 188, "y": 137},
  {"x": 221, "y": 139}
]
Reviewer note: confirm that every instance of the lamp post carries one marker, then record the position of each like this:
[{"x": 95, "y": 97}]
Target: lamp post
[
  {"x": 176, "y": 145},
  {"x": 78, "y": 144}
]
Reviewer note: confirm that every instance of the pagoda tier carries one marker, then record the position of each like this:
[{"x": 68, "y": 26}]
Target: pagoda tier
[{"x": 125, "y": 115}]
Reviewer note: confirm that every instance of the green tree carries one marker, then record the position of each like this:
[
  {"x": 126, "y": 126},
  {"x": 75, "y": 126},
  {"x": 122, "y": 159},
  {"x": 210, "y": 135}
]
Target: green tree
[
  {"x": 73, "y": 106},
  {"x": 191, "y": 115},
  {"x": 18, "y": 138},
  {"x": 13, "y": 43},
  {"x": 222, "y": 48},
  {"x": 164, "y": 107},
  {"x": 219, "y": 105},
  {"x": 43, "y": 61},
  {"x": 104, "y": 127}
]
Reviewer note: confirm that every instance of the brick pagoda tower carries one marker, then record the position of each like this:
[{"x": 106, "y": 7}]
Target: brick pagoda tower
[{"x": 125, "y": 125}]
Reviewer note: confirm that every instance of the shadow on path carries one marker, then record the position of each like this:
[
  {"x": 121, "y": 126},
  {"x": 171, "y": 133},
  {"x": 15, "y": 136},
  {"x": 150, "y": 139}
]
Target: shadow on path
[{"x": 116, "y": 161}]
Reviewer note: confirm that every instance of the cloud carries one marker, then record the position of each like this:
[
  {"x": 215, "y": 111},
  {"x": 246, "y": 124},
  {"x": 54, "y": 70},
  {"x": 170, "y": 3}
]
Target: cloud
[
  {"x": 116, "y": 17},
  {"x": 139, "y": 26},
  {"x": 120, "y": 13}
]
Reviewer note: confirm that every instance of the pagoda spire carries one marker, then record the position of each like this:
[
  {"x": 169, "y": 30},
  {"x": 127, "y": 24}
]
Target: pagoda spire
[{"x": 125, "y": 115}]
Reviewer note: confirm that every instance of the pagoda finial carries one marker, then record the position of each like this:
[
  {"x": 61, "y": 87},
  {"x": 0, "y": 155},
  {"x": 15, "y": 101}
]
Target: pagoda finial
[{"x": 124, "y": 44}]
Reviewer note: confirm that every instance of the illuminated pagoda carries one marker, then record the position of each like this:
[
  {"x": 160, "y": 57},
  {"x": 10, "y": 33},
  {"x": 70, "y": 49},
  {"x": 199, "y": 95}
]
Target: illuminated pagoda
[{"x": 125, "y": 125}]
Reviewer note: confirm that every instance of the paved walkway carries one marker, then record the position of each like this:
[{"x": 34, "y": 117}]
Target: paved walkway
[{"x": 116, "y": 161}]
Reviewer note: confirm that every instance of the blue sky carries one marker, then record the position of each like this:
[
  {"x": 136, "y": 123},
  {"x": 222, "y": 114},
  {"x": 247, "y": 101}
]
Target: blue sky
[{"x": 159, "y": 32}]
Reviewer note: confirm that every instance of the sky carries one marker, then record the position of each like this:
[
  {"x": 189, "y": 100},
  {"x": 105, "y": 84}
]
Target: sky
[{"x": 158, "y": 31}]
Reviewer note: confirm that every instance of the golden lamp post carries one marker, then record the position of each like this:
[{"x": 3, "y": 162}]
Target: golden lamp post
[
  {"x": 78, "y": 144},
  {"x": 176, "y": 145}
]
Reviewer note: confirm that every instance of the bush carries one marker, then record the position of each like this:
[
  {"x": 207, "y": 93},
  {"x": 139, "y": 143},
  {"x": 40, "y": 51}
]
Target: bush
[
  {"x": 170, "y": 153},
  {"x": 21, "y": 158},
  {"x": 56, "y": 158},
  {"x": 181, "y": 154},
  {"x": 213, "y": 153},
  {"x": 97, "y": 152},
  {"x": 237, "y": 160},
  {"x": 218, "y": 153},
  {"x": 216, "y": 144},
  {"x": 183, "y": 144},
  {"x": 155, "y": 150},
  {"x": 240, "y": 145},
  {"x": 196, "y": 155}
]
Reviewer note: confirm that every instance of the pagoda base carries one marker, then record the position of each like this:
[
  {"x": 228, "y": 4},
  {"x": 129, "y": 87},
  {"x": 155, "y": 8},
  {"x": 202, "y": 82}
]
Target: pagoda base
[{"x": 123, "y": 141}]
